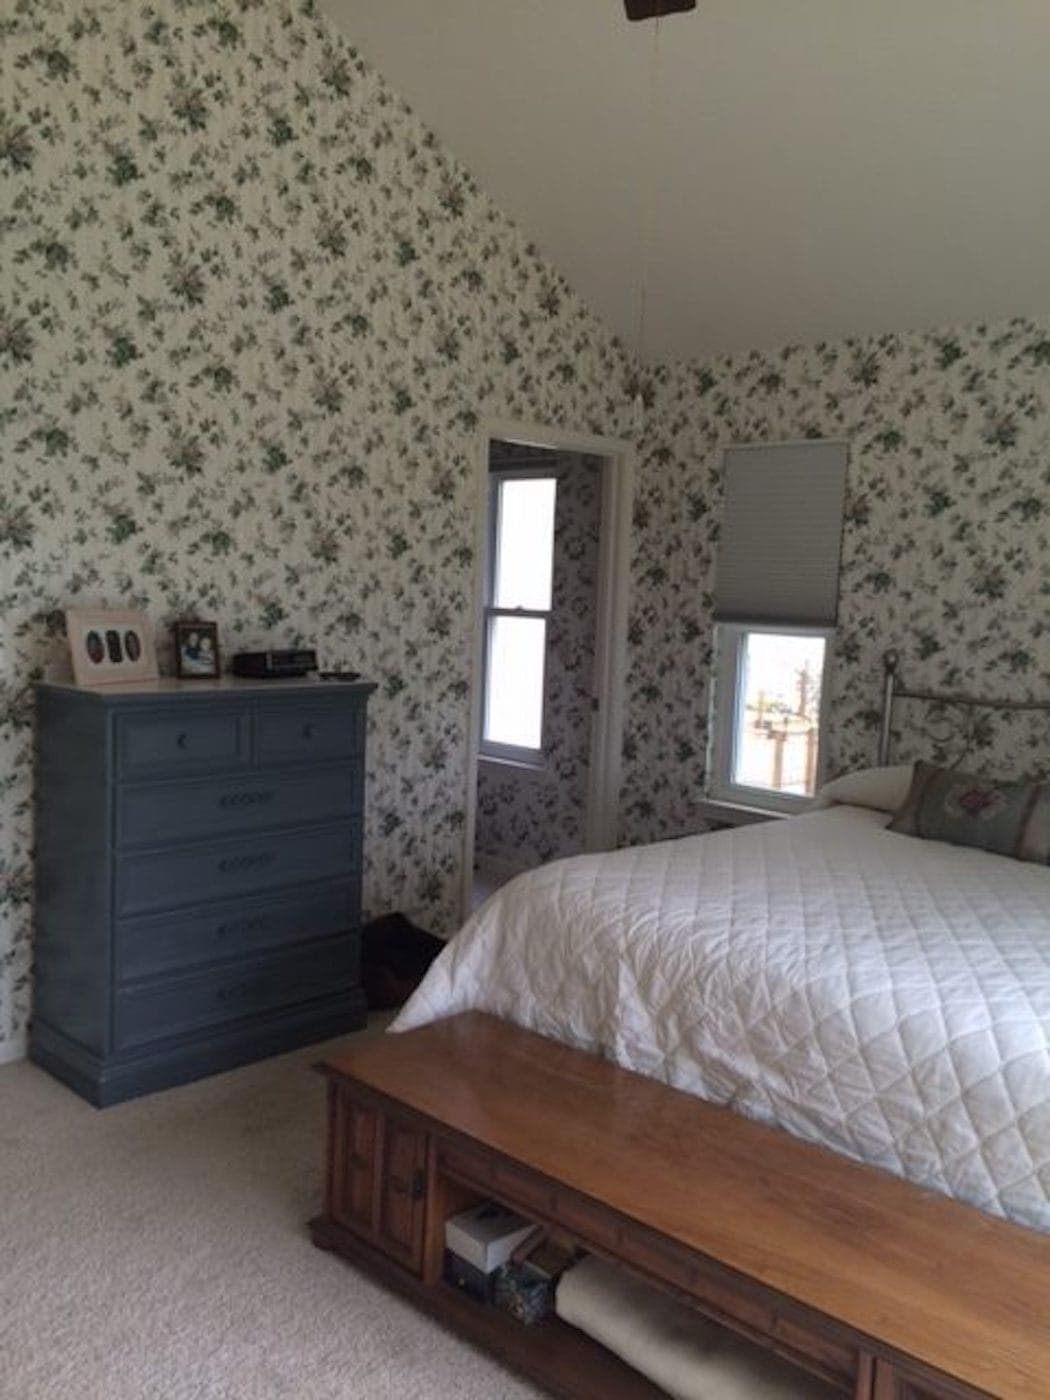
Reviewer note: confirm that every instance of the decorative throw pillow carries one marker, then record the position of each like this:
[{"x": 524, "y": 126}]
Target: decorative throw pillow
[
  {"x": 1011, "y": 819},
  {"x": 882, "y": 789}
]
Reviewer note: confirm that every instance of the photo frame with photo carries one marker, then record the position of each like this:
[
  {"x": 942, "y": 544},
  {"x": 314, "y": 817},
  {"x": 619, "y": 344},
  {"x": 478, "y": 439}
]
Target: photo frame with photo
[
  {"x": 196, "y": 650},
  {"x": 108, "y": 646}
]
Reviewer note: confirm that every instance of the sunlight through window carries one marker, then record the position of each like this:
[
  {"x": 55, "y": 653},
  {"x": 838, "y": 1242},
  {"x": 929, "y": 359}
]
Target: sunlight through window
[
  {"x": 517, "y": 614},
  {"x": 778, "y": 714}
]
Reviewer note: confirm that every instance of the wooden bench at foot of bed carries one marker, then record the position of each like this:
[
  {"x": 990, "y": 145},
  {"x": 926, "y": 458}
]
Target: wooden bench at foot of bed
[{"x": 886, "y": 1291}]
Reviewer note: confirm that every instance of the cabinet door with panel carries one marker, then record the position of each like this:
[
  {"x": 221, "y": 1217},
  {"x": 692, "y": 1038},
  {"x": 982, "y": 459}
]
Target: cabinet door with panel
[
  {"x": 894, "y": 1383},
  {"x": 353, "y": 1161},
  {"x": 377, "y": 1176},
  {"x": 402, "y": 1193}
]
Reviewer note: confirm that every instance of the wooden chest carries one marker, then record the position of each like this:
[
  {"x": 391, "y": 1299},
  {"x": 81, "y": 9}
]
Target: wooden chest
[{"x": 863, "y": 1282}]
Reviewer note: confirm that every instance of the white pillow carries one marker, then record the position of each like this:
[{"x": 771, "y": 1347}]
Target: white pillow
[{"x": 884, "y": 789}]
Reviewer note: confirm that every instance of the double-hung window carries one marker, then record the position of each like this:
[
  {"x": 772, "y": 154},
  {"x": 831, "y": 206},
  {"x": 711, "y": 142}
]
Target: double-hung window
[
  {"x": 769, "y": 714},
  {"x": 518, "y": 591},
  {"x": 776, "y": 601}
]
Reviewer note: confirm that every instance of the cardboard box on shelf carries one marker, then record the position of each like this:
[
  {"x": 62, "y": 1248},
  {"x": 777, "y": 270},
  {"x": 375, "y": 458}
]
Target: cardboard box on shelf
[{"x": 487, "y": 1235}]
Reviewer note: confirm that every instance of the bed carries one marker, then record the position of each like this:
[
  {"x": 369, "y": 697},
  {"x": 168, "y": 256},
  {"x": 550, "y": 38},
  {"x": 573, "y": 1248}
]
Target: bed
[{"x": 884, "y": 996}]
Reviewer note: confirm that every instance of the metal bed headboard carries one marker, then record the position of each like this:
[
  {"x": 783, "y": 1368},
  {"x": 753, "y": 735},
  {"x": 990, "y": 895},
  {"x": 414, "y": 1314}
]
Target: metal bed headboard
[{"x": 892, "y": 689}]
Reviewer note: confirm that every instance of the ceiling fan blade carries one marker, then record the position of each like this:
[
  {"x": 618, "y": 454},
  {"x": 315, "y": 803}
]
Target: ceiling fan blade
[{"x": 652, "y": 9}]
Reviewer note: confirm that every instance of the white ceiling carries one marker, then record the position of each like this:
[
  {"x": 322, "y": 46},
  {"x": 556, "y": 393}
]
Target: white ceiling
[{"x": 818, "y": 168}]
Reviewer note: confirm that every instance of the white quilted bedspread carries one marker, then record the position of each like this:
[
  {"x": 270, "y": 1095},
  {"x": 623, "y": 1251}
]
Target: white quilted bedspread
[{"x": 885, "y": 996}]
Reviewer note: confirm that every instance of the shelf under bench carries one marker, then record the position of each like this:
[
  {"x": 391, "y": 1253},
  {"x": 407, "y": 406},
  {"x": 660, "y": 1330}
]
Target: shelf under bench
[
  {"x": 883, "y": 1290},
  {"x": 551, "y": 1352}
]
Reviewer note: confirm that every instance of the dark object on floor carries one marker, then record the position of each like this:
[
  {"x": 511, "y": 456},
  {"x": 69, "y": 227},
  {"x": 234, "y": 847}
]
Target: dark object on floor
[
  {"x": 654, "y": 9},
  {"x": 395, "y": 955}
]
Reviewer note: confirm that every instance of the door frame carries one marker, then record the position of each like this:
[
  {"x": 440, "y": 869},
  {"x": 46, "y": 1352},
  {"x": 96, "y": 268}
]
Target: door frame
[{"x": 610, "y": 659}]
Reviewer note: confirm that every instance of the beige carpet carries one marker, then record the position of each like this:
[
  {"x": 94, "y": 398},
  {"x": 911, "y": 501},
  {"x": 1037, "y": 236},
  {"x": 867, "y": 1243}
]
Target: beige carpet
[{"x": 157, "y": 1249}]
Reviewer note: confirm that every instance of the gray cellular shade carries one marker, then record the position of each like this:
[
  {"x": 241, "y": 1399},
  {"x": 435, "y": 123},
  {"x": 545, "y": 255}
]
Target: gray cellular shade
[{"x": 778, "y": 560}]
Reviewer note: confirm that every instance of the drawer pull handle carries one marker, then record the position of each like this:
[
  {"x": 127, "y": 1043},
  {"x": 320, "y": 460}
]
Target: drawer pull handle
[
  {"x": 308, "y": 731},
  {"x": 240, "y": 926},
  {"x": 237, "y": 991},
  {"x": 232, "y": 865},
  {"x": 245, "y": 799},
  {"x": 182, "y": 741}
]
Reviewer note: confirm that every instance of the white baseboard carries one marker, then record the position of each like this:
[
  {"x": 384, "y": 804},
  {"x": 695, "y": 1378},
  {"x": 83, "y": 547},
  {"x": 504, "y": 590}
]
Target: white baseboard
[{"x": 16, "y": 1050}]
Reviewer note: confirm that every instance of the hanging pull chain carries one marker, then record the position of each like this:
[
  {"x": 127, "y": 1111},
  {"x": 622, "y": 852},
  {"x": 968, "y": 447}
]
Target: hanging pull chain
[{"x": 646, "y": 220}]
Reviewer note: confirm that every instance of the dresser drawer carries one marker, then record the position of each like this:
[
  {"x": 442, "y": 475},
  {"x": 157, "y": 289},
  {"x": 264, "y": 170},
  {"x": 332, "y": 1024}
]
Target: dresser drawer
[
  {"x": 147, "y": 947},
  {"x": 222, "y": 869},
  {"x": 154, "y": 1011},
  {"x": 170, "y": 742},
  {"x": 241, "y": 802},
  {"x": 322, "y": 730}
]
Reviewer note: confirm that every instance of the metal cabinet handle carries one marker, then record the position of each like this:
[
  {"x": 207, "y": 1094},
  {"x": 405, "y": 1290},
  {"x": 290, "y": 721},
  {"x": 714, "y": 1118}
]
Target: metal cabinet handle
[
  {"x": 415, "y": 1188},
  {"x": 239, "y": 926},
  {"x": 236, "y": 991},
  {"x": 245, "y": 799},
  {"x": 232, "y": 864}
]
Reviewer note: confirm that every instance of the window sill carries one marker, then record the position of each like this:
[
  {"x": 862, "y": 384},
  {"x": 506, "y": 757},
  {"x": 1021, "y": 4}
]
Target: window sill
[
  {"x": 736, "y": 813},
  {"x": 538, "y": 765}
]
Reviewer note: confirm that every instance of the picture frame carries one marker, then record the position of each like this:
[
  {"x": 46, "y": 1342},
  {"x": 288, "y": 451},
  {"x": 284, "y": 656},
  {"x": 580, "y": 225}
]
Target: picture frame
[
  {"x": 196, "y": 646},
  {"x": 108, "y": 646}
]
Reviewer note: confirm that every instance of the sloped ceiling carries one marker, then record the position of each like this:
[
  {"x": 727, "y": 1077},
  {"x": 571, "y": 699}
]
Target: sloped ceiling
[{"x": 812, "y": 168}]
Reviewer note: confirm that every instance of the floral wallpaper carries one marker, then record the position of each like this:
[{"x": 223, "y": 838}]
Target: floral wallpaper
[
  {"x": 528, "y": 816},
  {"x": 946, "y": 548},
  {"x": 252, "y": 316}
]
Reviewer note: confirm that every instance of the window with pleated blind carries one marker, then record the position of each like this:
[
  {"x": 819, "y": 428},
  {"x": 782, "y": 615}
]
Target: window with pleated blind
[{"x": 776, "y": 607}]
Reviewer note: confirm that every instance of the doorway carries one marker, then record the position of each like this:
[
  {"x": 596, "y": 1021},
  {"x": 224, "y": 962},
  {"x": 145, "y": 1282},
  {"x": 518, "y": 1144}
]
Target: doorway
[{"x": 550, "y": 613}]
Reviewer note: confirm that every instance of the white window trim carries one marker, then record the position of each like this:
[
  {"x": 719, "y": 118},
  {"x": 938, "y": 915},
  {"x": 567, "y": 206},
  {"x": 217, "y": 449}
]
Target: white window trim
[
  {"x": 519, "y": 756},
  {"x": 724, "y": 717}
]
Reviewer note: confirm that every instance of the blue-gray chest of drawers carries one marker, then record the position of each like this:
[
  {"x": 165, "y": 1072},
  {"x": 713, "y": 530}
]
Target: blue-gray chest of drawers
[{"x": 198, "y": 877}]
